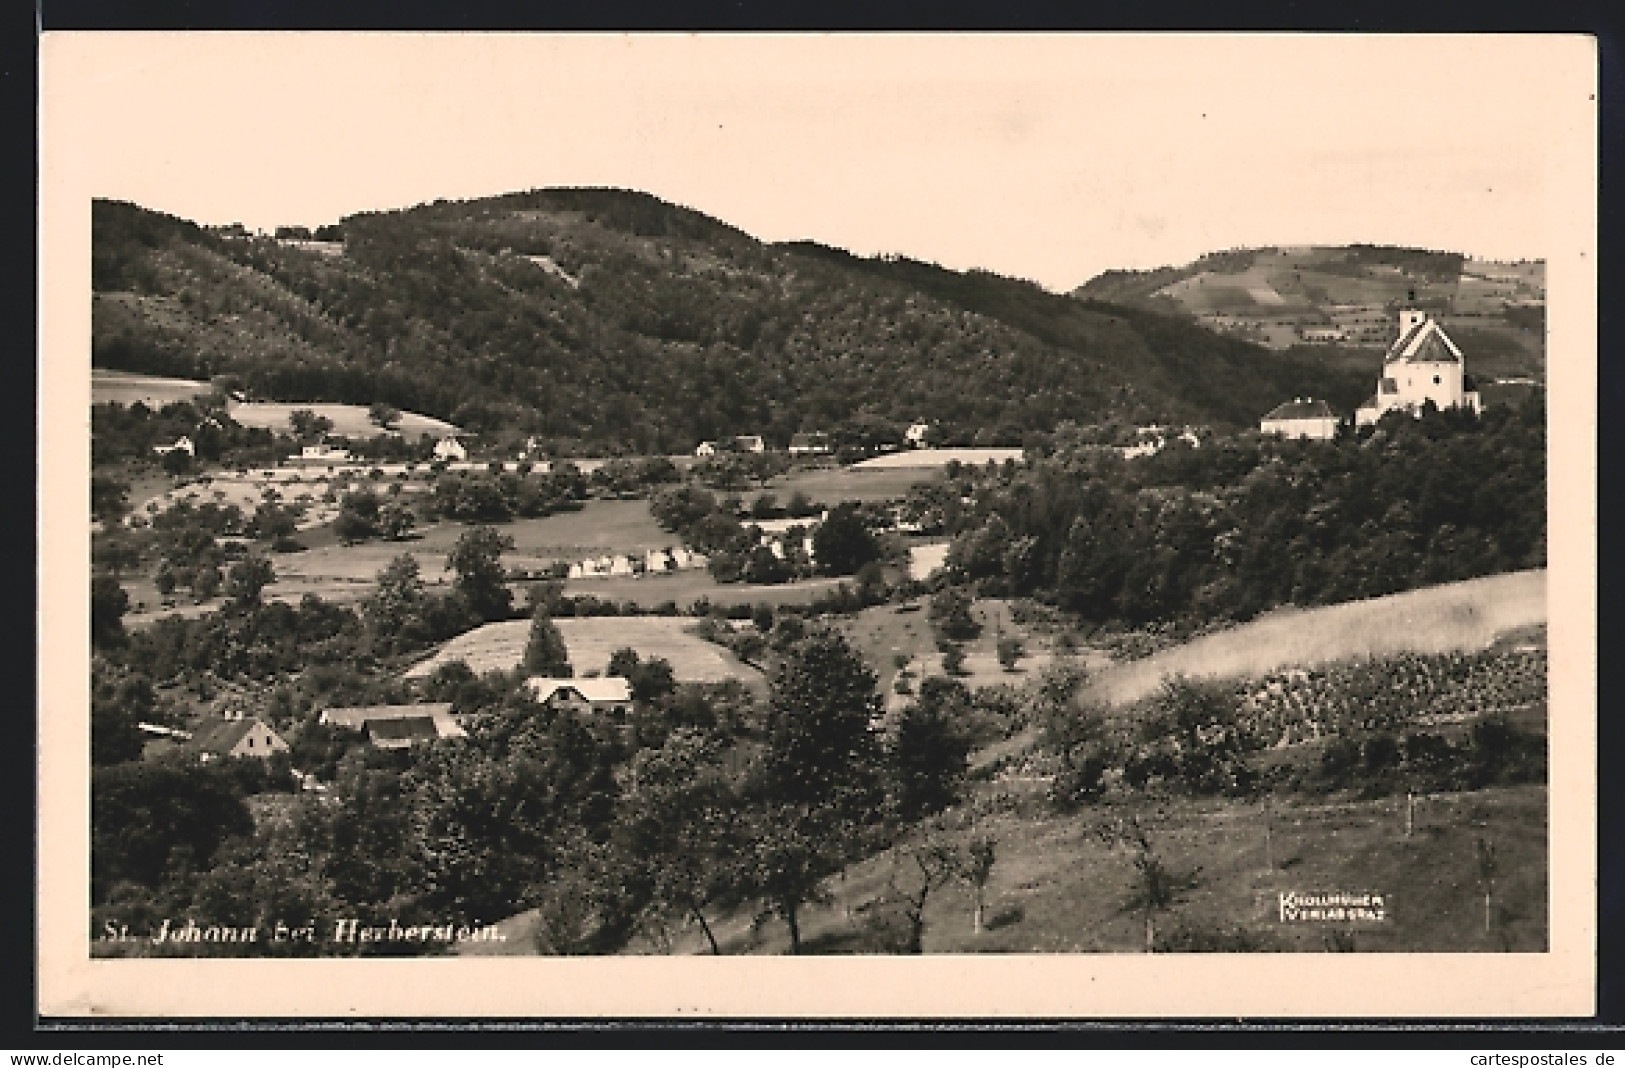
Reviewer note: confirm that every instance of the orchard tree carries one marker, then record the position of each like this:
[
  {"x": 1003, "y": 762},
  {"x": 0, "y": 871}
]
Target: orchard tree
[{"x": 477, "y": 560}]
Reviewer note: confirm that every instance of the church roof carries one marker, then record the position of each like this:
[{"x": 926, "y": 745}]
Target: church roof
[
  {"x": 1426, "y": 342},
  {"x": 1302, "y": 409}
]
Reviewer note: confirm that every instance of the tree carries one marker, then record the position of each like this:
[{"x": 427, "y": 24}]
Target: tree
[
  {"x": 817, "y": 779},
  {"x": 395, "y": 521},
  {"x": 678, "y": 833},
  {"x": 118, "y": 703},
  {"x": 1157, "y": 887},
  {"x": 477, "y": 560},
  {"x": 545, "y": 652},
  {"x": 307, "y": 425},
  {"x": 394, "y": 613},
  {"x": 109, "y": 498},
  {"x": 917, "y": 872},
  {"x": 951, "y": 612},
  {"x": 245, "y": 581},
  {"x": 1485, "y": 851},
  {"x": 842, "y": 543},
  {"x": 147, "y": 818},
  {"x": 206, "y": 582},
  {"x": 383, "y": 415},
  {"x": 977, "y": 868},
  {"x": 108, "y": 603},
  {"x": 928, "y": 752}
]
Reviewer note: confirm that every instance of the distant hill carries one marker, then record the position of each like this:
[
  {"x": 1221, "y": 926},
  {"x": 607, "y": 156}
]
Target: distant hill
[
  {"x": 1341, "y": 297},
  {"x": 615, "y": 320}
]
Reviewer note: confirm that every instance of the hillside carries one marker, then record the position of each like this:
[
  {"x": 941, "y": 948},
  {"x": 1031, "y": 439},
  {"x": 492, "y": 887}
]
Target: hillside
[
  {"x": 1455, "y": 616},
  {"x": 1332, "y": 299},
  {"x": 615, "y": 320}
]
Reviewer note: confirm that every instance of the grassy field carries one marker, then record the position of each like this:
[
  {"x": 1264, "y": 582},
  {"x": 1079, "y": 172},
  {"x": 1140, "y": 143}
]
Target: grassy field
[
  {"x": 600, "y": 527},
  {"x": 349, "y": 420},
  {"x": 501, "y": 646},
  {"x": 932, "y": 458},
  {"x": 1458, "y": 616},
  {"x": 683, "y": 588},
  {"x": 1058, "y": 887},
  {"x": 832, "y": 485},
  {"x": 127, "y": 387}
]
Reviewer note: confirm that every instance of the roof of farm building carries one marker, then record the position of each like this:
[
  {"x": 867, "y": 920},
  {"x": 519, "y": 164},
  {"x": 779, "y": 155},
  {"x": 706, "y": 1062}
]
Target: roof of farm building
[
  {"x": 611, "y": 689},
  {"x": 1302, "y": 409},
  {"x": 219, "y": 735},
  {"x": 365, "y": 716}
]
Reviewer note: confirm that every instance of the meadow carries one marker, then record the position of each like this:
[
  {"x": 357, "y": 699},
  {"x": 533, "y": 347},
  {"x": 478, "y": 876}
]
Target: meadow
[
  {"x": 832, "y": 485},
  {"x": 128, "y": 387},
  {"x": 501, "y": 647},
  {"x": 1057, "y": 886},
  {"x": 933, "y": 458},
  {"x": 349, "y": 420}
]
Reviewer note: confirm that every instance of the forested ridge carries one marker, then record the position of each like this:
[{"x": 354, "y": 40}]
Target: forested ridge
[{"x": 613, "y": 318}]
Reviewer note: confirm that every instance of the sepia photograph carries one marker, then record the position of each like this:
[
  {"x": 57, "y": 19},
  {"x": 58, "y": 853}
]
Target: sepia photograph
[{"x": 817, "y": 523}]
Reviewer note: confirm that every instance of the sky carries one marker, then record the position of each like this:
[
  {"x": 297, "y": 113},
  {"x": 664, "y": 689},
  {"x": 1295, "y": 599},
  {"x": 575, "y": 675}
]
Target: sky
[{"x": 1051, "y": 157}]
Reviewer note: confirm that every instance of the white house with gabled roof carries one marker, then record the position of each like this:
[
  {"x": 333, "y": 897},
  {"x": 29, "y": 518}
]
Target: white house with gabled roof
[{"x": 611, "y": 696}]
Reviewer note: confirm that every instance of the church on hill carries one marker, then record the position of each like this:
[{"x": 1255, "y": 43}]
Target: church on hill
[{"x": 1422, "y": 365}]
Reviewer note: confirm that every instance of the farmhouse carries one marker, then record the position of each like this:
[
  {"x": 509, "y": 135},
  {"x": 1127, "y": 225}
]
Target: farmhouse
[
  {"x": 323, "y": 453},
  {"x": 1422, "y": 365},
  {"x": 182, "y": 444},
  {"x": 217, "y": 737},
  {"x": 1302, "y": 417},
  {"x": 610, "y": 696},
  {"x": 397, "y": 726},
  {"x": 450, "y": 448},
  {"x": 915, "y": 435},
  {"x": 705, "y": 448},
  {"x": 809, "y": 444}
]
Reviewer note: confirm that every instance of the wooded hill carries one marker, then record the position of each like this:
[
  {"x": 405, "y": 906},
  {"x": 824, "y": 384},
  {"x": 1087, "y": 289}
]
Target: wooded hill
[{"x": 613, "y": 319}]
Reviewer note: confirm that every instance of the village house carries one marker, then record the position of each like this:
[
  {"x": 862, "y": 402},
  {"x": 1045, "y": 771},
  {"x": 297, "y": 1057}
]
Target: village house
[
  {"x": 809, "y": 444},
  {"x": 323, "y": 452},
  {"x": 182, "y": 444},
  {"x": 914, "y": 437},
  {"x": 1302, "y": 417},
  {"x": 218, "y": 737},
  {"x": 397, "y": 726},
  {"x": 705, "y": 448},
  {"x": 1422, "y": 365},
  {"x": 450, "y": 448},
  {"x": 611, "y": 696}
]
